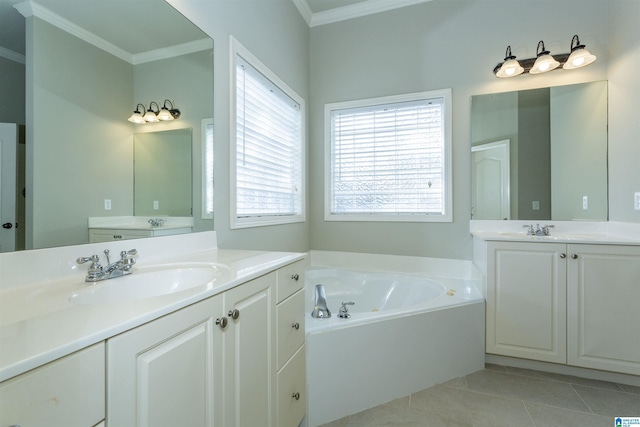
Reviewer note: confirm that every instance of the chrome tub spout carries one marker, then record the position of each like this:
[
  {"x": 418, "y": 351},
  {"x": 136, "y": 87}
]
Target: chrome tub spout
[{"x": 320, "y": 310}]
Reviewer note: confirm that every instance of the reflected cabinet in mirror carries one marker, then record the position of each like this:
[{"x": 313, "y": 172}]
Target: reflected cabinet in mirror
[
  {"x": 540, "y": 154},
  {"x": 84, "y": 81}
]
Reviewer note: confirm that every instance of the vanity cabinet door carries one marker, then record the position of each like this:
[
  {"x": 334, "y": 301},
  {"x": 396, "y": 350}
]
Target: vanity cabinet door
[
  {"x": 161, "y": 373},
  {"x": 603, "y": 300},
  {"x": 526, "y": 300},
  {"x": 66, "y": 392},
  {"x": 248, "y": 350}
]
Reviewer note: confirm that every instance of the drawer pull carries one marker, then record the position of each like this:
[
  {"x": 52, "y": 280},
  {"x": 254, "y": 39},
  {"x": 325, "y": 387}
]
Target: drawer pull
[
  {"x": 563, "y": 255},
  {"x": 574, "y": 256},
  {"x": 234, "y": 314},
  {"x": 296, "y": 326},
  {"x": 295, "y": 277},
  {"x": 296, "y": 396},
  {"x": 222, "y": 322}
]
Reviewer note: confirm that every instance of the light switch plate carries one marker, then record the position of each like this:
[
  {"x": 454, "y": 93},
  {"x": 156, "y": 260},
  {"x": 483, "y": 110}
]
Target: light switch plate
[
  {"x": 585, "y": 203},
  {"x": 107, "y": 204},
  {"x": 636, "y": 201},
  {"x": 155, "y": 205},
  {"x": 535, "y": 205}
]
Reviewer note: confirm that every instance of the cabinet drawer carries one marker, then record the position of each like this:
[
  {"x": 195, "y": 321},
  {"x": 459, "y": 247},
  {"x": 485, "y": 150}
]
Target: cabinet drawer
[
  {"x": 292, "y": 401},
  {"x": 66, "y": 392},
  {"x": 290, "y": 332},
  {"x": 290, "y": 279}
]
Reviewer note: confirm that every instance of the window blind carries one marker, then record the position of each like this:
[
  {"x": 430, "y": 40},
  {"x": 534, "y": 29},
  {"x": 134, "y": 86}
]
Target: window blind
[
  {"x": 268, "y": 147},
  {"x": 389, "y": 159}
]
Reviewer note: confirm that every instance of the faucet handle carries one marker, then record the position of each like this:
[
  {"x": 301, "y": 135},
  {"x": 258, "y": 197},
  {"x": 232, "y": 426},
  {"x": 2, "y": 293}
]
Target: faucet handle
[
  {"x": 531, "y": 231},
  {"x": 129, "y": 253},
  {"x": 93, "y": 258},
  {"x": 343, "y": 313}
]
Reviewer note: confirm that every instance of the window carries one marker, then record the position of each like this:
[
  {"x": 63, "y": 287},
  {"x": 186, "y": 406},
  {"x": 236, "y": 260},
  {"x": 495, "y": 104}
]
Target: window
[
  {"x": 207, "y": 168},
  {"x": 389, "y": 159},
  {"x": 267, "y": 146}
]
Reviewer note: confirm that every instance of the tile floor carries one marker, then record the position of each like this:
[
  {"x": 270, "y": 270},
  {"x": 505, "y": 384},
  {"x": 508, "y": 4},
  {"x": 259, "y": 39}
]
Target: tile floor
[{"x": 505, "y": 396}]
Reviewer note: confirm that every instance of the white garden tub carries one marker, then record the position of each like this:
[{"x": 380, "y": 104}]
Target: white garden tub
[{"x": 407, "y": 332}]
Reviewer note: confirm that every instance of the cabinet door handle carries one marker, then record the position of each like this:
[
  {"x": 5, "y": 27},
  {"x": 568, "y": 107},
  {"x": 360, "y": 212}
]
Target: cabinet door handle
[
  {"x": 222, "y": 322},
  {"x": 563, "y": 256},
  {"x": 574, "y": 256},
  {"x": 296, "y": 396},
  {"x": 296, "y": 326},
  {"x": 234, "y": 314},
  {"x": 295, "y": 277}
]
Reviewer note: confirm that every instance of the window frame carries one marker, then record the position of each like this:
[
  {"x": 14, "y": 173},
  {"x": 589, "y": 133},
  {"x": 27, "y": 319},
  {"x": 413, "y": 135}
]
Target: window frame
[
  {"x": 446, "y": 216},
  {"x": 206, "y": 179},
  {"x": 235, "y": 50}
]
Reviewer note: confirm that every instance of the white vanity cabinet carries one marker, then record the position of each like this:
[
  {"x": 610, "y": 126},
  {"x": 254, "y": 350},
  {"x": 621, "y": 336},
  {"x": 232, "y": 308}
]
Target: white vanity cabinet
[
  {"x": 603, "y": 307},
  {"x": 291, "y": 368},
  {"x": 526, "y": 300},
  {"x": 99, "y": 235},
  {"x": 66, "y": 392},
  {"x": 213, "y": 363},
  {"x": 574, "y": 304}
]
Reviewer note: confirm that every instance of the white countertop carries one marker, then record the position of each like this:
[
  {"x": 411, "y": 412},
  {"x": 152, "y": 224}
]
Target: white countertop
[
  {"x": 609, "y": 233},
  {"x": 139, "y": 222},
  {"x": 39, "y": 324}
]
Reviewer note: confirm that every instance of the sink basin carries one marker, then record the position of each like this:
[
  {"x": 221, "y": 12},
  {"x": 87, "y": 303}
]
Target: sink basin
[{"x": 150, "y": 282}]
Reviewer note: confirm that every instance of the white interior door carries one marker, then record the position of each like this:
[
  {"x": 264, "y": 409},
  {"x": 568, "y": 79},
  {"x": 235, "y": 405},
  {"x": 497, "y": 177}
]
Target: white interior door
[
  {"x": 8, "y": 147},
  {"x": 490, "y": 180}
]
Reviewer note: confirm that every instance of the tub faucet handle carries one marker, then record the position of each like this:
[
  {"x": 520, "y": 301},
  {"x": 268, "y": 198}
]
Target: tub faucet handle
[{"x": 343, "y": 313}]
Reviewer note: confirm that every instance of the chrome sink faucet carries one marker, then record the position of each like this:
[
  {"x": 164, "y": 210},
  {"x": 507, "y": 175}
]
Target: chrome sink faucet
[
  {"x": 120, "y": 268},
  {"x": 538, "y": 231}
]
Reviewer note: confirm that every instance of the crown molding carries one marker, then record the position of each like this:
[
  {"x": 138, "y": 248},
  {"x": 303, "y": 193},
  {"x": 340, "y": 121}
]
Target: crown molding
[
  {"x": 357, "y": 10},
  {"x": 305, "y": 10},
  {"x": 30, "y": 8},
  {"x": 172, "y": 51},
  {"x": 12, "y": 56}
]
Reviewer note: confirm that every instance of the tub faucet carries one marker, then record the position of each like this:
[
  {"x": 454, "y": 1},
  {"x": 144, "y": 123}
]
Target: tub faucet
[
  {"x": 343, "y": 313},
  {"x": 320, "y": 310}
]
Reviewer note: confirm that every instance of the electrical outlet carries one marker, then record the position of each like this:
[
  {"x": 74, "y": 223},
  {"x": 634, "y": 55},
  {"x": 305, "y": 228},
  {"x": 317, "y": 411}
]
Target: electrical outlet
[
  {"x": 107, "y": 204},
  {"x": 636, "y": 201},
  {"x": 155, "y": 205},
  {"x": 585, "y": 203}
]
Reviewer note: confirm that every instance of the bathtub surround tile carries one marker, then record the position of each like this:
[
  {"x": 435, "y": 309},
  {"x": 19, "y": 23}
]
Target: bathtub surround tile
[
  {"x": 526, "y": 388},
  {"x": 610, "y": 403},
  {"x": 466, "y": 406},
  {"x": 551, "y": 416},
  {"x": 564, "y": 378}
]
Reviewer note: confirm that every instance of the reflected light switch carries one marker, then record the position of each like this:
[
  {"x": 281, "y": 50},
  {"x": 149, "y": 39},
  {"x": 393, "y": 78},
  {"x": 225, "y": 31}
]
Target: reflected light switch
[
  {"x": 535, "y": 205},
  {"x": 155, "y": 205}
]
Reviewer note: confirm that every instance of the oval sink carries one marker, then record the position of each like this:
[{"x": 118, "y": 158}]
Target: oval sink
[{"x": 150, "y": 282}]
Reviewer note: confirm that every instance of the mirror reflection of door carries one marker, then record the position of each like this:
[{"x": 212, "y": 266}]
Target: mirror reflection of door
[
  {"x": 490, "y": 180},
  {"x": 8, "y": 150}
]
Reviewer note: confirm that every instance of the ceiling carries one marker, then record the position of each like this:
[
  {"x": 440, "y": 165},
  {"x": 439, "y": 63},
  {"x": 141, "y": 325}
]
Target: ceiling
[{"x": 145, "y": 26}]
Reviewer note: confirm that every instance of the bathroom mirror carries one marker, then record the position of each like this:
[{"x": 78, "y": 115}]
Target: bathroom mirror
[
  {"x": 540, "y": 154},
  {"x": 162, "y": 178},
  {"x": 83, "y": 86}
]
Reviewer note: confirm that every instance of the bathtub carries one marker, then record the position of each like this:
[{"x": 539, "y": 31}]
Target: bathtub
[{"x": 407, "y": 332}]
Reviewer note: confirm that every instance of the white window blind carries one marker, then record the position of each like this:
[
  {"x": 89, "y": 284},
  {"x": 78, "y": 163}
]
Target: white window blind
[
  {"x": 389, "y": 159},
  {"x": 268, "y": 147}
]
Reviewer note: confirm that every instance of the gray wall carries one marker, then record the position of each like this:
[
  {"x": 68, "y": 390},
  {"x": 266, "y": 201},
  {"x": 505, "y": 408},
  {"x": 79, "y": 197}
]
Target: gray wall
[
  {"x": 79, "y": 144},
  {"x": 277, "y": 35},
  {"x": 624, "y": 108},
  {"x": 436, "y": 45},
  {"x": 12, "y": 88},
  {"x": 186, "y": 80}
]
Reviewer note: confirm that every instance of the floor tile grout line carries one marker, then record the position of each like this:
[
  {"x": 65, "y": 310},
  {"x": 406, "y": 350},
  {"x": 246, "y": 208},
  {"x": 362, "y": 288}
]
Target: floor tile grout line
[
  {"x": 526, "y": 408},
  {"x": 581, "y": 398}
]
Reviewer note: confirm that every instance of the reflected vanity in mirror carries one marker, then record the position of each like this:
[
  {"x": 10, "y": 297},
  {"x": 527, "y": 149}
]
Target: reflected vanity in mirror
[
  {"x": 540, "y": 154},
  {"x": 80, "y": 161}
]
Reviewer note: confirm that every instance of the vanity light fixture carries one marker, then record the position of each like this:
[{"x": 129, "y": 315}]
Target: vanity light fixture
[
  {"x": 154, "y": 115},
  {"x": 151, "y": 115},
  {"x": 580, "y": 57},
  {"x": 168, "y": 114},
  {"x": 510, "y": 67},
  {"x": 136, "y": 117},
  {"x": 543, "y": 62}
]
